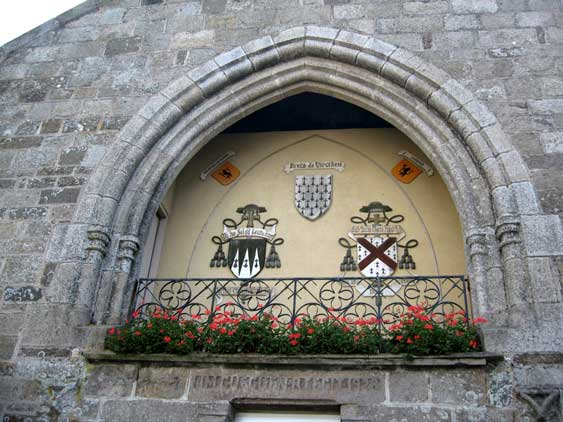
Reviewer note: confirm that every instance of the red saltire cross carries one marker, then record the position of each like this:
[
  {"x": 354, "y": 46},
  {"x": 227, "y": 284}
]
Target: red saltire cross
[{"x": 377, "y": 252}]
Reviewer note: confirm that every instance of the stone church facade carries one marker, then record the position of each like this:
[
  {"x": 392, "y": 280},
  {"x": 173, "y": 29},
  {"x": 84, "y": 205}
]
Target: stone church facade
[{"x": 103, "y": 107}]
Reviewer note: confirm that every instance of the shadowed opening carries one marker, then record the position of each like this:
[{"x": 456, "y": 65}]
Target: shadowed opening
[{"x": 308, "y": 111}]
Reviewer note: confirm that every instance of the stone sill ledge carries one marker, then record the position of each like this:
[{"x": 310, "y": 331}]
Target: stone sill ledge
[{"x": 326, "y": 362}]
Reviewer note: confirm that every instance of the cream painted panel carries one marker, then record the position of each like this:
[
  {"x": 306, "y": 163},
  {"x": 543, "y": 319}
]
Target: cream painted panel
[{"x": 311, "y": 247}]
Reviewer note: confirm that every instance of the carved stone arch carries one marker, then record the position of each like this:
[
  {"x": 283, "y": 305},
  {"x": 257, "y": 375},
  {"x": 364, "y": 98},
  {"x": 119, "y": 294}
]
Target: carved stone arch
[{"x": 485, "y": 175}]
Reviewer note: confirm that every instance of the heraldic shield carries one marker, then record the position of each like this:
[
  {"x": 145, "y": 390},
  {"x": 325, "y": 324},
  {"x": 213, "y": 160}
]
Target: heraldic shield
[
  {"x": 376, "y": 237},
  {"x": 247, "y": 244},
  {"x": 313, "y": 195},
  {"x": 246, "y": 257},
  {"x": 377, "y": 256}
]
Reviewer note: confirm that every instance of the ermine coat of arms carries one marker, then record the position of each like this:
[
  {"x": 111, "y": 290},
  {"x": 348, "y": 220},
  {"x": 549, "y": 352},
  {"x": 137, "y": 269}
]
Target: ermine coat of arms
[
  {"x": 246, "y": 256},
  {"x": 313, "y": 195}
]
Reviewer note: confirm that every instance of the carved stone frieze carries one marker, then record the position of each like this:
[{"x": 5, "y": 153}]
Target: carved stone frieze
[{"x": 546, "y": 403}]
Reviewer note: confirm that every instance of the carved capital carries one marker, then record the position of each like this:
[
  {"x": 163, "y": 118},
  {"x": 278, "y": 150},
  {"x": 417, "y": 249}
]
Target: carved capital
[
  {"x": 508, "y": 231},
  {"x": 477, "y": 243},
  {"x": 128, "y": 248},
  {"x": 98, "y": 241}
]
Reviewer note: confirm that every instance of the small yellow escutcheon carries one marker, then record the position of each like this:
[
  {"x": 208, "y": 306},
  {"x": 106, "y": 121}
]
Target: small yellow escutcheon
[
  {"x": 405, "y": 171},
  {"x": 226, "y": 173}
]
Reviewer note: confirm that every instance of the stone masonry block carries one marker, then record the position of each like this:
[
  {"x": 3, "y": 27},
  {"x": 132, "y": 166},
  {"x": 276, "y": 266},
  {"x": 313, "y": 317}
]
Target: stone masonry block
[
  {"x": 123, "y": 46},
  {"x": 21, "y": 270},
  {"x": 189, "y": 40},
  {"x": 234, "y": 63},
  {"x": 503, "y": 201},
  {"x": 480, "y": 113},
  {"x": 514, "y": 166},
  {"x": 165, "y": 383},
  {"x": 11, "y": 323},
  {"x": 290, "y": 43},
  {"x": 425, "y": 8},
  {"x": 467, "y": 387},
  {"x": 374, "y": 55},
  {"x": 543, "y": 235},
  {"x": 110, "y": 381},
  {"x": 546, "y": 107},
  {"x": 347, "y": 46},
  {"x": 507, "y": 37},
  {"x": 184, "y": 93},
  {"x": 150, "y": 410},
  {"x": 429, "y": 23},
  {"x": 7, "y": 346},
  {"x": 474, "y": 6},
  {"x": 72, "y": 155},
  {"x": 319, "y": 41},
  {"x": 544, "y": 280},
  {"x": 20, "y": 143},
  {"x": 59, "y": 196},
  {"x": 408, "y": 386},
  {"x": 463, "y": 123},
  {"x": 214, "y": 6},
  {"x": 208, "y": 77},
  {"x": 459, "y": 22},
  {"x": 48, "y": 326},
  {"x": 526, "y": 198},
  {"x": 414, "y": 413},
  {"x": 552, "y": 142},
  {"x": 261, "y": 52}
]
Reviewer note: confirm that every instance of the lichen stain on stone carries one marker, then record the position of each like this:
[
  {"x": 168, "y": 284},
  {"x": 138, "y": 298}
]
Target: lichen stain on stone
[{"x": 500, "y": 389}]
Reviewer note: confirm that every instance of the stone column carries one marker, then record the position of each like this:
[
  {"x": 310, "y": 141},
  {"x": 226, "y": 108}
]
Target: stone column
[{"x": 118, "y": 304}]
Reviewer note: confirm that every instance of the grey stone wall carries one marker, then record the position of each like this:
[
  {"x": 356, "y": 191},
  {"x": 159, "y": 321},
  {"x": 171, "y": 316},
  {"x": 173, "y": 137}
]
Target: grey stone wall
[
  {"x": 478, "y": 388},
  {"x": 69, "y": 87}
]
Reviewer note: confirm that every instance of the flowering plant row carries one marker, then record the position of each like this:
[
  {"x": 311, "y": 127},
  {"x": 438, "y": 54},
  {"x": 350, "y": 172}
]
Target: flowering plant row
[{"x": 417, "y": 332}]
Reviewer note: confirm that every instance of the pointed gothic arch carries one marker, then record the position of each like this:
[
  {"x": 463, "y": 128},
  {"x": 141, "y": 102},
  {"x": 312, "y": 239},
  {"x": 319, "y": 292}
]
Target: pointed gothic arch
[{"x": 486, "y": 177}]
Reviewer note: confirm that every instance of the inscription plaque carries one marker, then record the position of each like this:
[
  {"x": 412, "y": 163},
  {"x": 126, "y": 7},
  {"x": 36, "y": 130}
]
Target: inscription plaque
[{"x": 226, "y": 385}]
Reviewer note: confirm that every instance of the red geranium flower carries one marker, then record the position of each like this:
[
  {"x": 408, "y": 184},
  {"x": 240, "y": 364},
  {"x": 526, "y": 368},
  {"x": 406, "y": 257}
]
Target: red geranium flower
[
  {"x": 167, "y": 339},
  {"x": 310, "y": 331},
  {"x": 293, "y": 342},
  {"x": 137, "y": 333}
]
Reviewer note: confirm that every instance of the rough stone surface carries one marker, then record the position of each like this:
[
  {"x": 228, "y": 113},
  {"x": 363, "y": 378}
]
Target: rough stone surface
[{"x": 72, "y": 89}]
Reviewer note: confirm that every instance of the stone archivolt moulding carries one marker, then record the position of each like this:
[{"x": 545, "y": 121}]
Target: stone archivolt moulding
[{"x": 457, "y": 132}]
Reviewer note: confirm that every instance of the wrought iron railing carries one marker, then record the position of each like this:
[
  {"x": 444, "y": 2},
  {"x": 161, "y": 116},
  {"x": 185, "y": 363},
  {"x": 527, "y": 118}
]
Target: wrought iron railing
[{"x": 385, "y": 298}]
